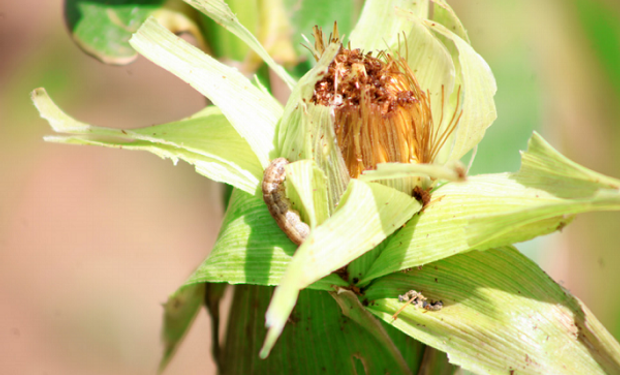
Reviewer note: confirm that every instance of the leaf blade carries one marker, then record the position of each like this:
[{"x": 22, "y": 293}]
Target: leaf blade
[
  {"x": 251, "y": 111},
  {"x": 379, "y": 25},
  {"x": 205, "y": 140},
  {"x": 219, "y": 11},
  {"x": 479, "y": 88},
  {"x": 498, "y": 209},
  {"x": 501, "y": 312},
  {"x": 374, "y": 210}
]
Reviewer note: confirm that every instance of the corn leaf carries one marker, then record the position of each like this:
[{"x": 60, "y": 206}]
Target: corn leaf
[
  {"x": 353, "y": 309},
  {"x": 443, "y": 13},
  {"x": 179, "y": 313},
  {"x": 309, "y": 184},
  {"x": 380, "y": 25},
  {"x": 499, "y": 209},
  {"x": 250, "y": 110},
  {"x": 307, "y": 131},
  {"x": 219, "y": 11},
  {"x": 478, "y": 86},
  {"x": 103, "y": 29},
  {"x": 205, "y": 140},
  {"x": 393, "y": 171},
  {"x": 501, "y": 314},
  {"x": 432, "y": 66},
  {"x": 318, "y": 339},
  {"x": 366, "y": 215},
  {"x": 251, "y": 248}
]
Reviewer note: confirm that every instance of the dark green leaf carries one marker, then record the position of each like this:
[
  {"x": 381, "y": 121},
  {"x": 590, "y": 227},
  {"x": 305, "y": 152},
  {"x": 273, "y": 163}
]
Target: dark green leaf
[
  {"x": 103, "y": 28},
  {"x": 179, "y": 313},
  {"x": 318, "y": 339}
]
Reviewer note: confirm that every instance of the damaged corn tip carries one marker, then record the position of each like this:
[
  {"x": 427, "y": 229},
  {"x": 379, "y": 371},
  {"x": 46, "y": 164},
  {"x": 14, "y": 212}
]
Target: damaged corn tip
[{"x": 380, "y": 112}]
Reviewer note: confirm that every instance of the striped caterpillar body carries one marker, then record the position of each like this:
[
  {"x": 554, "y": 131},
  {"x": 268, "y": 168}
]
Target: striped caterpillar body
[{"x": 279, "y": 206}]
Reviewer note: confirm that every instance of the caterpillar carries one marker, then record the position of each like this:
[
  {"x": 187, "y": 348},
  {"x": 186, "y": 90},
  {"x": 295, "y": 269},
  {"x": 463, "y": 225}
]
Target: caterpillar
[{"x": 279, "y": 206}]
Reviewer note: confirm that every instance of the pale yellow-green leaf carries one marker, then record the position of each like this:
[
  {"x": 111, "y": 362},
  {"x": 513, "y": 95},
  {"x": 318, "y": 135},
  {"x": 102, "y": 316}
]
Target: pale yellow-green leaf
[
  {"x": 478, "y": 89},
  {"x": 179, "y": 313},
  {"x": 308, "y": 182},
  {"x": 501, "y": 314},
  {"x": 494, "y": 230},
  {"x": 205, "y": 140},
  {"x": 380, "y": 26},
  {"x": 443, "y": 13},
  {"x": 543, "y": 165},
  {"x": 432, "y": 66},
  {"x": 366, "y": 215},
  {"x": 221, "y": 13},
  {"x": 307, "y": 131},
  {"x": 498, "y": 209},
  {"x": 393, "y": 171},
  {"x": 251, "y": 111}
]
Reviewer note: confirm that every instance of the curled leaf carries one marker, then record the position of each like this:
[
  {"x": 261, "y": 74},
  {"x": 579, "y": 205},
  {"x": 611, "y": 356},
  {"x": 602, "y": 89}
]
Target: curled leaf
[
  {"x": 498, "y": 210},
  {"x": 205, "y": 140}
]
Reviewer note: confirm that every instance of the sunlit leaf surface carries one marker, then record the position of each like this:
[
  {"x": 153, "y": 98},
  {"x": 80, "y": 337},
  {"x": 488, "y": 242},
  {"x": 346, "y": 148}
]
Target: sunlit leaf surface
[
  {"x": 501, "y": 314},
  {"x": 499, "y": 209},
  {"x": 205, "y": 140},
  {"x": 251, "y": 111}
]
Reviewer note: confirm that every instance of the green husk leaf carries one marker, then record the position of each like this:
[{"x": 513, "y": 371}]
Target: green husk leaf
[
  {"x": 443, "y": 13},
  {"x": 478, "y": 89},
  {"x": 179, "y": 313},
  {"x": 542, "y": 167},
  {"x": 251, "y": 111},
  {"x": 225, "y": 45},
  {"x": 366, "y": 215},
  {"x": 318, "y": 339},
  {"x": 545, "y": 168},
  {"x": 251, "y": 248},
  {"x": 214, "y": 292},
  {"x": 498, "y": 210},
  {"x": 103, "y": 29},
  {"x": 432, "y": 64},
  {"x": 221, "y": 13},
  {"x": 501, "y": 314},
  {"x": 360, "y": 266},
  {"x": 380, "y": 25},
  {"x": 205, "y": 140},
  {"x": 309, "y": 183},
  {"x": 353, "y": 309},
  {"x": 306, "y": 131},
  {"x": 392, "y": 171}
]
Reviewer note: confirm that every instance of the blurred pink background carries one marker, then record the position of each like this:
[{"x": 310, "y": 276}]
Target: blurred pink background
[{"x": 93, "y": 240}]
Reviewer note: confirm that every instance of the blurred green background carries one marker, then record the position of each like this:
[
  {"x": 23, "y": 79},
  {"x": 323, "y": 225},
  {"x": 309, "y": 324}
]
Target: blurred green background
[{"x": 93, "y": 240}]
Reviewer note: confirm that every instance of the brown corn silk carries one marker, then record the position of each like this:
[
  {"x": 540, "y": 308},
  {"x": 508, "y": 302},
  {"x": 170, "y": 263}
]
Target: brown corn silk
[{"x": 381, "y": 114}]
